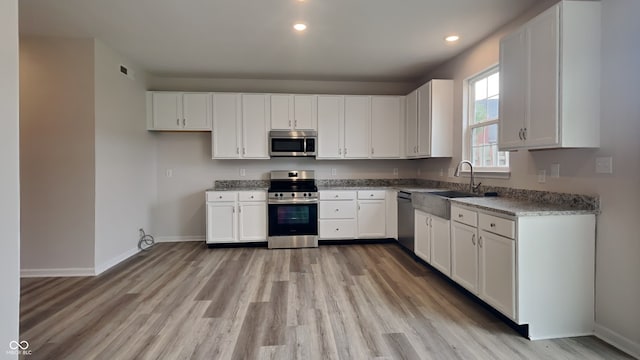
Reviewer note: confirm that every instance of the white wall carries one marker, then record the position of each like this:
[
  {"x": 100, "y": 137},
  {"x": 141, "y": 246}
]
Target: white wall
[
  {"x": 618, "y": 242},
  {"x": 57, "y": 154},
  {"x": 9, "y": 178},
  {"x": 124, "y": 159}
]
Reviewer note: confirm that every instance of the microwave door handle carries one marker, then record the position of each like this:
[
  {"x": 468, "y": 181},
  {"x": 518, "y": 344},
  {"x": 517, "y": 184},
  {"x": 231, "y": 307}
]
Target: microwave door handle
[{"x": 304, "y": 146}]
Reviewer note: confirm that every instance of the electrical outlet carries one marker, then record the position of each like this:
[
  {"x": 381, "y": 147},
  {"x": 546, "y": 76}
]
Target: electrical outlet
[
  {"x": 333, "y": 172},
  {"x": 243, "y": 172},
  {"x": 542, "y": 176},
  {"x": 395, "y": 171},
  {"x": 555, "y": 171},
  {"x": 168, "y": 173},
  {"x": 604, "y": 165}
]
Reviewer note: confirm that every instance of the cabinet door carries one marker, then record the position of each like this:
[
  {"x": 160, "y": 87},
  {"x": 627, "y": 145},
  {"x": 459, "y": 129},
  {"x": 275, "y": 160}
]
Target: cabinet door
[
  {"x": 304, "y": 112},
  {"x": 497, "y": 272},
  {"x": 543, "y": 46},
  {"x": 422, "y": 234},
  {"x": 281, "y": 112},
  {"x": 411, "y": 125},
  {"x": 330, "y": 127},
  {"x": 255, "y": 126},
  {"x": 464, "y": 256},
  {"x": 196, "y": 111},
  {"x": 424, "y": 120},
  {"x": 357, "y": 118},
  {"x": 252, "y": 222},
  {"x": 513, "y": 80},
  {"x": 440, "y": 245},
  {"x": 226, "y": 126},
  {"x": 371, "y": 219},
  {"x": 167, "y": 114},
  {"x": 385, "y": 126},
  {"x": 221, "y": 222}
]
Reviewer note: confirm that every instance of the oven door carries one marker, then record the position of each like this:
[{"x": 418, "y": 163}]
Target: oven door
[{"x": 287, "y": 219}]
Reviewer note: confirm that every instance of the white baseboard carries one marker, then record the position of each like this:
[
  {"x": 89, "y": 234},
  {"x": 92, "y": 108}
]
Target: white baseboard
[
  {"x": 68, "y": 272},
  {"x": 164, "y": 239},
  {"x": 617, "y": 340},
  {"x": 115, "y": 260}
]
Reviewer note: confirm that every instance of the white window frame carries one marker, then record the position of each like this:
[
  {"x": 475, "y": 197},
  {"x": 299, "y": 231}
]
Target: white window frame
[{"x": 469, "y": 101}]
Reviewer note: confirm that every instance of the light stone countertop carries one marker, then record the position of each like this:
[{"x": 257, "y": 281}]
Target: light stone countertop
[{"x": 515, "y": 207}]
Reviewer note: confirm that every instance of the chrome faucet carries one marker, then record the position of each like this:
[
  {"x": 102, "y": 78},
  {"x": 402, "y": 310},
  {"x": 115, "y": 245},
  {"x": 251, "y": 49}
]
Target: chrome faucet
[{"x": 472, "y": 186}]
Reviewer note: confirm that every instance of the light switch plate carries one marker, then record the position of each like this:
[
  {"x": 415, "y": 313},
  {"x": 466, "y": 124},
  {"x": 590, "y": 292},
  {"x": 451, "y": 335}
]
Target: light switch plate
[
  {"x": 243, "y": 172},
  {"x": 604, "y": 165},
  {"x": 395, "y": 171},
  {"x": 555, "y": 171},
  {"x": 333, "y": 172},
  {"x": 542, "y": 176}
]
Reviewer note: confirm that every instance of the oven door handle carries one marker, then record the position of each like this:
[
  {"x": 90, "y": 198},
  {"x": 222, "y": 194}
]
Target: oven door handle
[{"x": 292, "y": 202}]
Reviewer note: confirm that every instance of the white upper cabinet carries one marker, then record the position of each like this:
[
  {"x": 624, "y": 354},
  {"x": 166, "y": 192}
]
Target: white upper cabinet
[
  {"x": 550, "y": 87},
  {"x": 429, "y": 120},
  {"x": 226, "y": 126},
  {"x": 293, "y": 112},
  {"x": 357, "y": 119},
  {"x": 240, "y": 126},
  {"x": 255, "y": 126},
  {"x": 178, "y": 111},
  {"x": 387, "y": 113},
  {"x": 330, "y": 127}
]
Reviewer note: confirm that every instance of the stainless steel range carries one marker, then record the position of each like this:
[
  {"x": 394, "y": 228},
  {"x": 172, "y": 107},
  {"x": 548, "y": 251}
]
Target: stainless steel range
[{"x": 293, "y": 209}]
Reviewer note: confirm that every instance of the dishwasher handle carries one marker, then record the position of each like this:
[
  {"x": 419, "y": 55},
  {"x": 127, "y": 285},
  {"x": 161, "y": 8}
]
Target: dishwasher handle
[{"x": 403, "y": 195}]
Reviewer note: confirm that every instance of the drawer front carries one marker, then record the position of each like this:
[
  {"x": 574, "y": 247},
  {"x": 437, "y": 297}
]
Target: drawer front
[
  {"x": 337, "y": 209},
  {"x": 337, "y": 229},
  {"x": 464, "y": 216},
  {"x": 337, "y": 195},
  {"x": 497, "y": 225},
  {"x": 222, "y": 195},
  {"x": 252, "y": 195},
  {"x": 371, "y": 194}
]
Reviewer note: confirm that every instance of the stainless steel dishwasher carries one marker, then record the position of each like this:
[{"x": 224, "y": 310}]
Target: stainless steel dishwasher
[{"x": 405, "y": 220}]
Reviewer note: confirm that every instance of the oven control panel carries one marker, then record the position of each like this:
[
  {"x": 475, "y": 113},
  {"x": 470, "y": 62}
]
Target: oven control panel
[{"x": 293, "y": 195}]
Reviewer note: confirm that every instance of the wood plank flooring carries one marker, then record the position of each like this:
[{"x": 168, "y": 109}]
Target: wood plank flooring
[{"x": 184, "y": 301}]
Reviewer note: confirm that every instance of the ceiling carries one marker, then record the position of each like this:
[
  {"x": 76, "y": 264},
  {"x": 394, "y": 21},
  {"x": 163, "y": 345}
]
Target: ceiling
[{"x": 368, "y": 40}]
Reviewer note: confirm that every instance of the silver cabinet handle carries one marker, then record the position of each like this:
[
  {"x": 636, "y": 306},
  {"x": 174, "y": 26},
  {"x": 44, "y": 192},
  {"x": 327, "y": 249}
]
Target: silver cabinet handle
[
  {"x": 430, "y": 221},
  {"x": 178, "y": 122},
  {"x": 480, "y": 241},
  {"x": 337, "y": 210},
  {"x": 426, "y": 221},
  {"x": 372, "y": 152},
  {"x": 520, "y": 134},
  {"x": 239, "y": 209},
  {"x": 492, "y": 225},
  {"x": 252, "y": 196},
  {"x": 460, "y": 216},
  {"x": 339, "y": 151},
  {"x": 358, "y": 206},
  {"x": 234, "y": 209},
  {"x": 524, "y": 133},
  {"x": 220, "y": 197},
  {"x": 345, "y": 151},
  {"x": 237, "y": 150},
  {"x": 337, "y": 196},
  {"x": 371, "y": 195},
  {"x": 337, "y": 229},
  {"x": 184, "y": 122},
  {"x": 473, "y": 239},
  {"x": 289, "y": 123},
  {"x": 295, "y": 124},
  {"x": 244, "y": 151}
]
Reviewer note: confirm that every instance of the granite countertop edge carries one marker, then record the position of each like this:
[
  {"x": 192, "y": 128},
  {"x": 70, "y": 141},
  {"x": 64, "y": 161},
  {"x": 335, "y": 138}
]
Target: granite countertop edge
[{"x": 511, "y": 207}]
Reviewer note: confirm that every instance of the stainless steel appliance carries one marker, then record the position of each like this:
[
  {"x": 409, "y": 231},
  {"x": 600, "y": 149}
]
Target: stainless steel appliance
[
  {"x": 292, "y": 143},
  {"x": 293, "y": 209},
  {"x": 405, "y": 221}
]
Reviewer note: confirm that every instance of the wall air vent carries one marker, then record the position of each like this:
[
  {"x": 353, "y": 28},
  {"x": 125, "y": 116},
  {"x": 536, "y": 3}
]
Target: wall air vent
[{"x": 126, "y": 71}]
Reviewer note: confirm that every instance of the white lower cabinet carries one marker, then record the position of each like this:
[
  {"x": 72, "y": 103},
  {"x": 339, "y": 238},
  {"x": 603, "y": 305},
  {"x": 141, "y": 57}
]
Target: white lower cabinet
[
  {"x": 234, "y": 216},
  {"x": 536, "y": 270},
  {"x": 348, "y": 214},
  {"x": 432, "y": 241}
]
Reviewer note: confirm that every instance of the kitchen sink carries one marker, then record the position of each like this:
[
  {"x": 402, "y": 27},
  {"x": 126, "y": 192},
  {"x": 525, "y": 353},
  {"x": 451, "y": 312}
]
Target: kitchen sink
[
  {"x": 437, "y": 202},
  {"x": 452, "y": 194}
]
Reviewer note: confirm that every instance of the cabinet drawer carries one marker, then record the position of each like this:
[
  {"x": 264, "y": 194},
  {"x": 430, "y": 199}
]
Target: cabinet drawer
[
  {"x": 371, "y": 194},
  {"x": 497, "y": 225},
  {"x": 464, "y": 216},
  {"x": 337, "y": 195},
  {"x": 221, "y": 195},
  {"x": 252, "y": 196},
  {"x": 337, "y": 210},
  {"x": 337, "y": 229}
]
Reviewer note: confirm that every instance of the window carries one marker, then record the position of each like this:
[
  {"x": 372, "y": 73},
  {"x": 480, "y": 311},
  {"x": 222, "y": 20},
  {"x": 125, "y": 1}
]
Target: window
[{"x": 482, "y": 123}]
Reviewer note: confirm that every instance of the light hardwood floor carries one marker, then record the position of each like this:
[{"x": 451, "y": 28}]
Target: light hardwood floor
[{"x": 184, "y": 301}]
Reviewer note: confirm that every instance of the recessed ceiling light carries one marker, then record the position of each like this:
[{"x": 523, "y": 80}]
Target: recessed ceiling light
[
  {"x": 452, "y": 38},
  {"x": 300, "y": 26}
]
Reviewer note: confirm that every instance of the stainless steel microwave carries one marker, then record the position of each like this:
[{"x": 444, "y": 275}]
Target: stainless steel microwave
[{"x": 293, "y": 143}]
